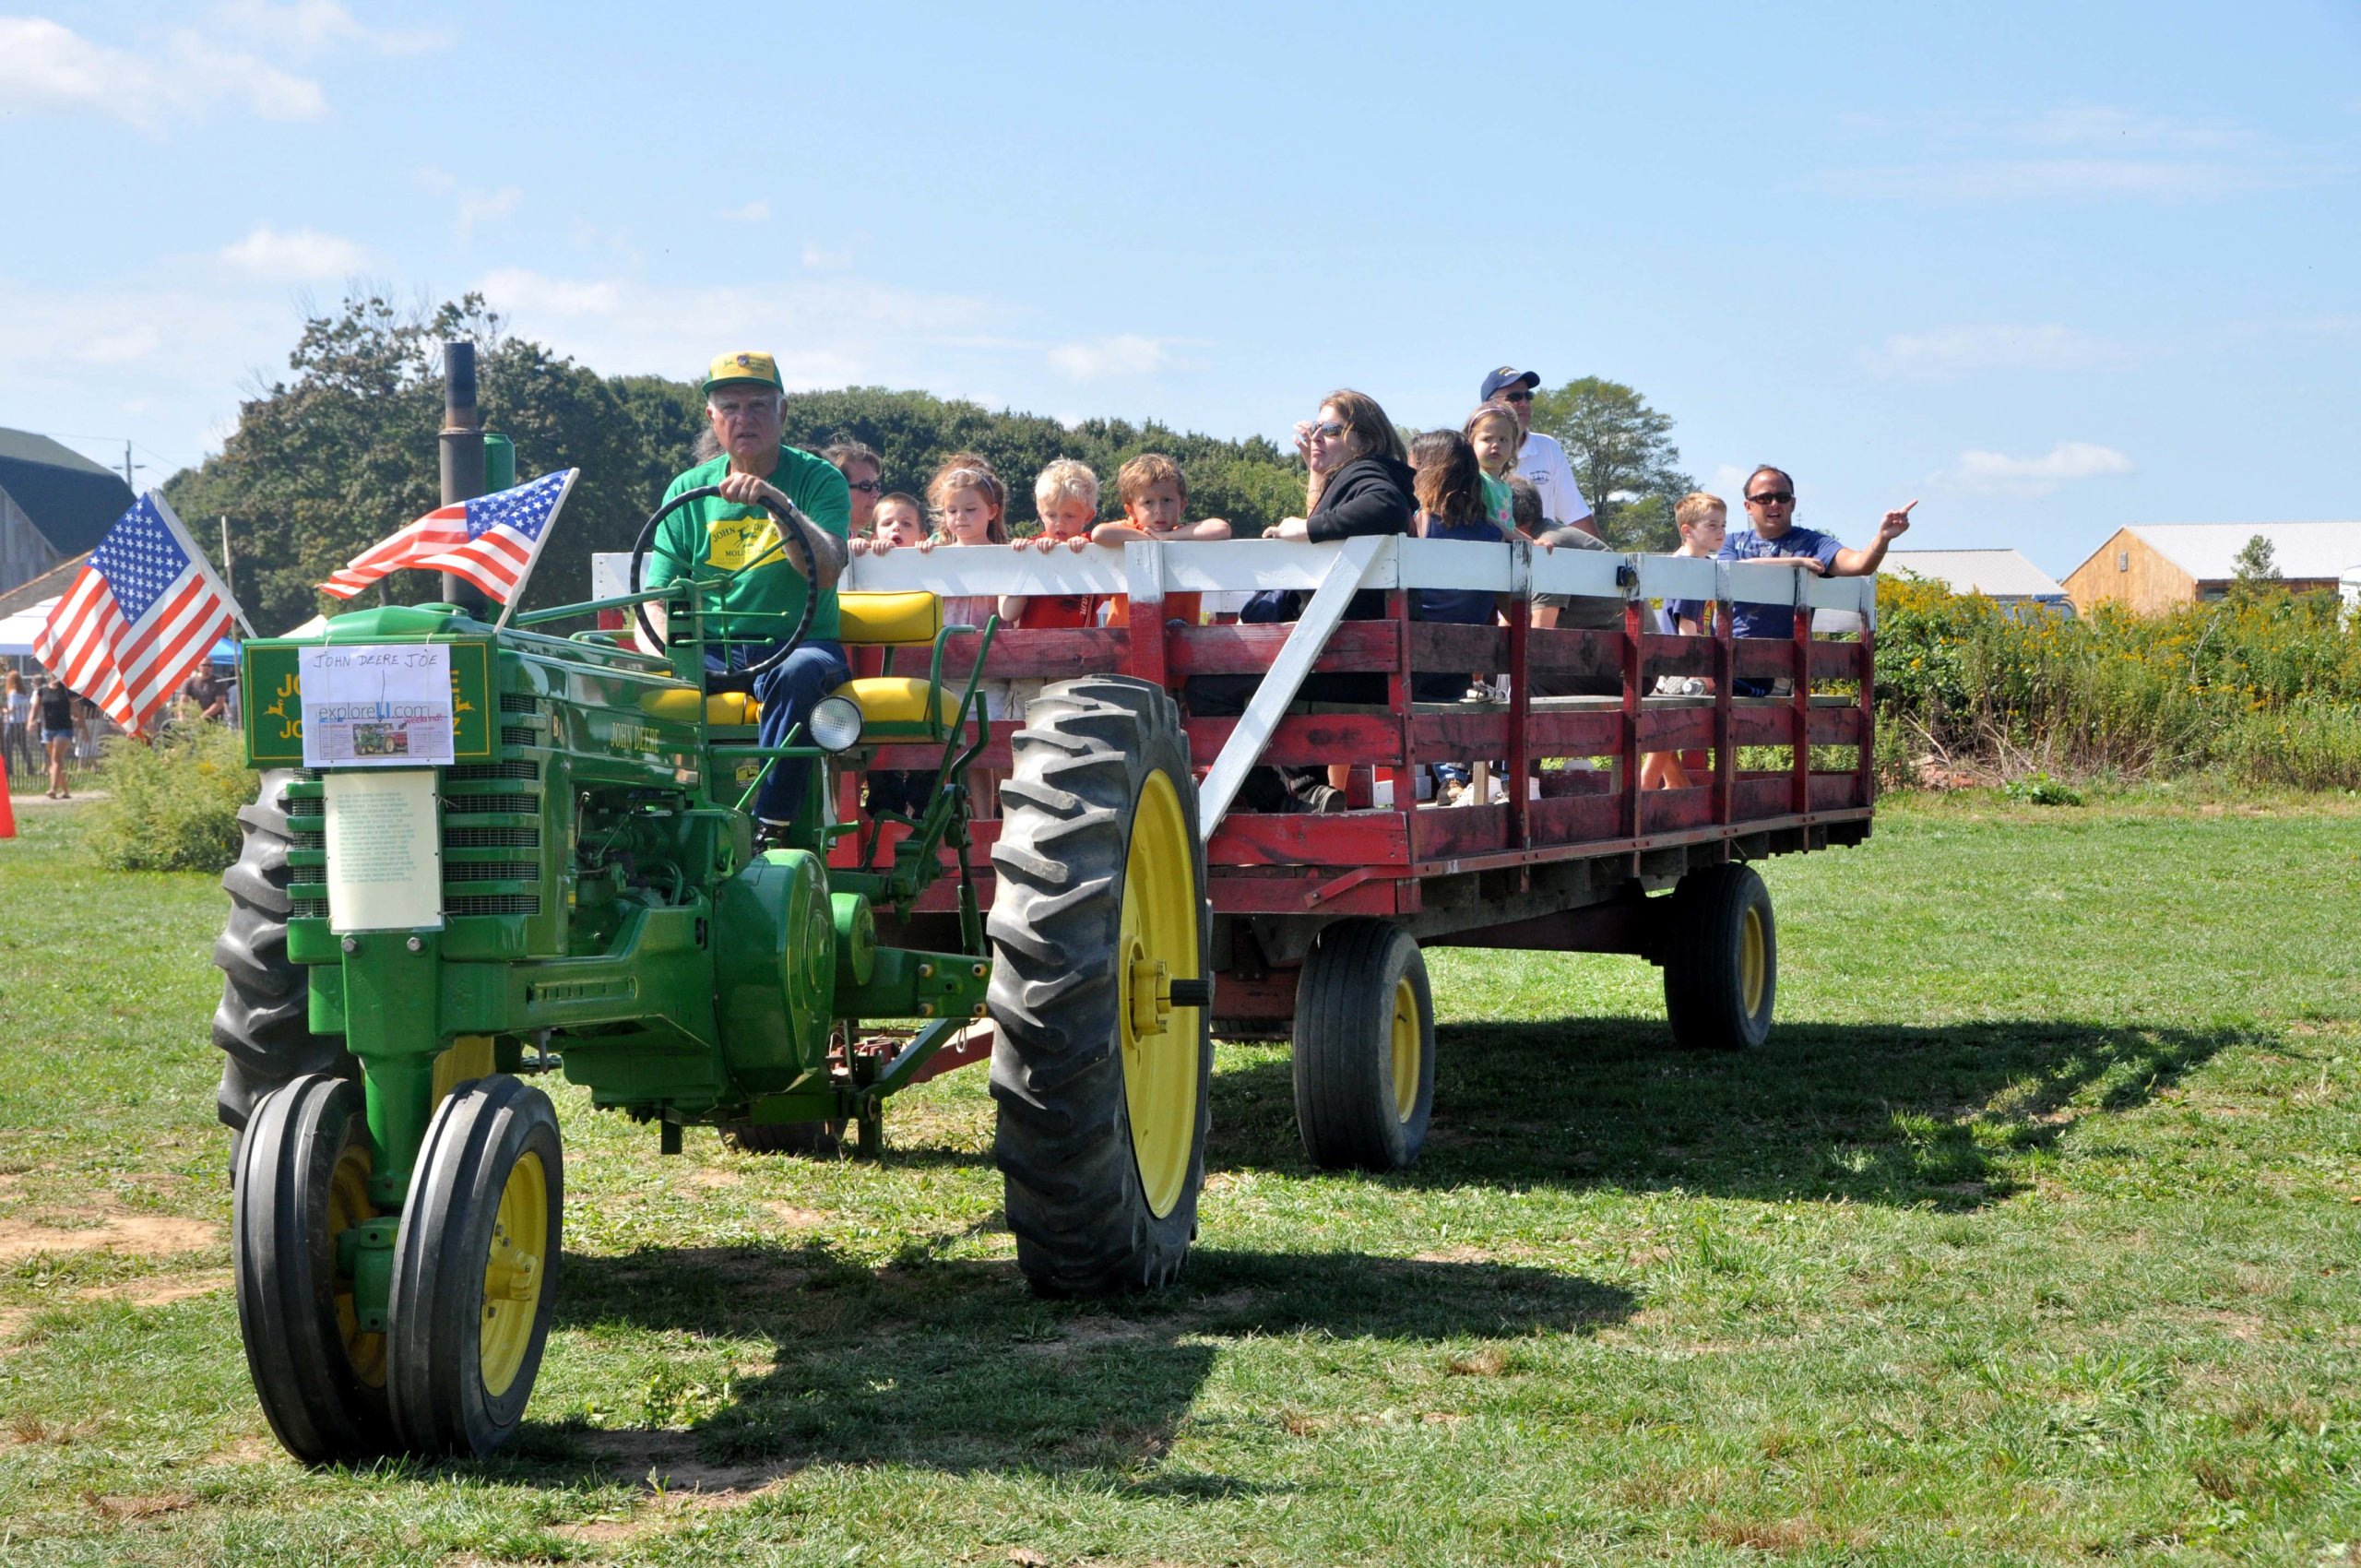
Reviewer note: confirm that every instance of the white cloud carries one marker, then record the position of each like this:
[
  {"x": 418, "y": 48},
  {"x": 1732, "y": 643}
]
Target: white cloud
[
  {"x": 317, "y": 26},
  {"x": 1995, "y": 473},
  {"x": 755, "y": 211},
  {"x": 820, "y": 260},
  {"x": 2075, "y": 152},
  {"x": 1097, "y": 359},
  {"x": 301, "y": 255},
  {"x": 1943, "y": 353},
  {"x": 475, "y": 207},
  {"x": 45, "y": 66},
  {"x": 434, "y": 181}
]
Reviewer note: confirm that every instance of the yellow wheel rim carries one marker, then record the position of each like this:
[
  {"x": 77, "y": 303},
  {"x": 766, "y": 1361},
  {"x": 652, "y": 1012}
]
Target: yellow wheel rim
[
  {"x": 1158, "y": 945},
  {"x": 1406, "y": 1049},
  {"x": 349, "y": 1205},
  {"x": 1753, "y": 961},
  {"x": 515, "y": 1273}
]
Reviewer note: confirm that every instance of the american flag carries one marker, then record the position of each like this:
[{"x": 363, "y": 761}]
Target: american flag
[
  {"x": 145, "y": 608},
  {"x": 492, "y": 541}
]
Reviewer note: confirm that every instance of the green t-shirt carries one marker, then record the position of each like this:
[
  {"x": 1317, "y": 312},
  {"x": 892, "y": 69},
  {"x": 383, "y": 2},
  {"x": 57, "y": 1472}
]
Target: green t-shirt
[
  {"x": 1499, "y": 502},
  {"x": 722, "y": 535}
]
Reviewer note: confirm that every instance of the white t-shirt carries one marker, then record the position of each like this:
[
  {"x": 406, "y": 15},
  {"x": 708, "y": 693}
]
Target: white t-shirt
[{"x": 1543, "y": 461}]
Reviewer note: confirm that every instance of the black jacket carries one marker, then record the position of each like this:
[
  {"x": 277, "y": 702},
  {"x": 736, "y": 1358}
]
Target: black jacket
[{"x": 1367, "y": 495}]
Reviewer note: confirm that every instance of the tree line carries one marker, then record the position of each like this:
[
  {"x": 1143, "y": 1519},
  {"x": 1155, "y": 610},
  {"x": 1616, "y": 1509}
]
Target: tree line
[{"x": 340, "y": 453}]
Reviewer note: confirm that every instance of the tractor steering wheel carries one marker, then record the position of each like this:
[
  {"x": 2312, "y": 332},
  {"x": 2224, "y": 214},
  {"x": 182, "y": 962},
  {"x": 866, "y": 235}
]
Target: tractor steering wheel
[{"x": 791, "y": 526}]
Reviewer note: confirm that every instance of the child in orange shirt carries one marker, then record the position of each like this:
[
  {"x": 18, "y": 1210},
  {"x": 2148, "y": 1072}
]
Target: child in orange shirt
[
  {"x": 1156, "y": 496},
  {"x": 1065, "y": 497}
]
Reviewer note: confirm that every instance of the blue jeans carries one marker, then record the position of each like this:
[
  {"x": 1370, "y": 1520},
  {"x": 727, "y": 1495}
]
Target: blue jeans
[{"x": 789, "y": 694}]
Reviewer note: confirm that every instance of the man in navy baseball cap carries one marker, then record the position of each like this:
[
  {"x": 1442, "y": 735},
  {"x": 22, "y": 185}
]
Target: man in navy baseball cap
[
  {"x": 1508, "y": 376},
  {"x": 1540, "y": 459}
]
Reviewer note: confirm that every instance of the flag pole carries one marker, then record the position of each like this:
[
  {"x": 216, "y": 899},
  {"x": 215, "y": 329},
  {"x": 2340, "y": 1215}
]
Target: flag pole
[
  {"x": 196, "y": 556},
  {"x": 516, "y": 594}
]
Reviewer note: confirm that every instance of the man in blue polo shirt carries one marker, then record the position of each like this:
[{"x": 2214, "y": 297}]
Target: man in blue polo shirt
[
  {"x": 1771, "y": 507},
  {"x": 1774, "y": 539}
]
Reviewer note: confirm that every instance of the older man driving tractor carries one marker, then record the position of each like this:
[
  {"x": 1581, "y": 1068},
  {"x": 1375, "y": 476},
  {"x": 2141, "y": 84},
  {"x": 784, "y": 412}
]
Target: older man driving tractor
[{"x": 770, "y": 580}]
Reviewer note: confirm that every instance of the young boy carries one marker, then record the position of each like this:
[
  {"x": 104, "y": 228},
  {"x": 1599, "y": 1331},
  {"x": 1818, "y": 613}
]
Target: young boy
[
  {"x": 899, "y": 523},
  {"x": 1155, "y": 497},
  {"x": 1065, "y": 497}
]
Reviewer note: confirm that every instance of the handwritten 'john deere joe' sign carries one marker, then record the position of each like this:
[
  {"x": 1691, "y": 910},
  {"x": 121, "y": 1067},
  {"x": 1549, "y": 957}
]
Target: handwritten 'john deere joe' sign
[{"x": 272, "y": 682}]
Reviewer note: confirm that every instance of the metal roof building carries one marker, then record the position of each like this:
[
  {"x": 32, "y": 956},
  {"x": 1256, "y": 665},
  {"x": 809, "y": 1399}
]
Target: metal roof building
[
  {"x": 54, "y": 504},
  {"x": 2153, "y": 566},
  {"x": 2003, "y": 574}
]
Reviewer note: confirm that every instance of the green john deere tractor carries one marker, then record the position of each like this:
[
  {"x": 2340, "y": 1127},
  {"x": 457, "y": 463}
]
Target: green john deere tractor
[{"x": 578, "y": 890}]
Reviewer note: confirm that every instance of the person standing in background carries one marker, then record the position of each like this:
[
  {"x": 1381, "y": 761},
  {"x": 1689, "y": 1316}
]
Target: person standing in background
[
  {"x": 16, "y": 743},
  {"x": 1540, "y": 459},
  {"x": 56, "y": 705}
]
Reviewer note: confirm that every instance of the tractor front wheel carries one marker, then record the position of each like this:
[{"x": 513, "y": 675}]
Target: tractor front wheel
[
  {"x": 303, "y": 1182},
  {"x": 1104, "y": 1056},
  {"x": 475, "y": 1268}
]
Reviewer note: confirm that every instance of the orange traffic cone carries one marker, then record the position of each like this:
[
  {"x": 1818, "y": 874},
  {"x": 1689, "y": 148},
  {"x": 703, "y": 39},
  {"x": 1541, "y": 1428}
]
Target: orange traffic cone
[{"x": 8, "y": 813}]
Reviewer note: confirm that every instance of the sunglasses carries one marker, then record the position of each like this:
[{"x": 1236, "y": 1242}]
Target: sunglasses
[
  {"x": 1330, "y": 429},
  {"x": 1772, "y": 498},
  {"x": 866, "y": 486},
  {"x": 1521, "y": 395}
]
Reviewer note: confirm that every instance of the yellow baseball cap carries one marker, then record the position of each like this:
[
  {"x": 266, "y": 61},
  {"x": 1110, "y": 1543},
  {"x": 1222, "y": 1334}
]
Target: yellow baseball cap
[{"x": 744, "y": 366}]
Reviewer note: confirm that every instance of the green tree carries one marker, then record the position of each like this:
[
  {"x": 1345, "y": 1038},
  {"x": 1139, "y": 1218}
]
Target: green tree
[
  {"x": 1624, "y": 459},
  {"x": 342, "y": 452},
  {"x": 2256, "y": 563}
]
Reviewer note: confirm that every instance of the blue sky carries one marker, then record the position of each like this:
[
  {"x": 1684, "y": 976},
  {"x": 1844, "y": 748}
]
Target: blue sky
[{"x": 2051, "y": 270}]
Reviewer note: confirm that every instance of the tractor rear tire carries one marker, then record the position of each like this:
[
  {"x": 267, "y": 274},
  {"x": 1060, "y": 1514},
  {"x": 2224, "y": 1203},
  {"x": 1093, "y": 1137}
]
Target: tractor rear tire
[
  {"x": 819, "y": 1140},
  {"x": 1099, "y": 914},
  {"x": 475, "y": 1268},
  {"x": 264, "y": 1023},
  {"x": 304, "y": 1181},
  {"x": 1364, "y": 1047},
  {"x": 1721, "y": 959}
]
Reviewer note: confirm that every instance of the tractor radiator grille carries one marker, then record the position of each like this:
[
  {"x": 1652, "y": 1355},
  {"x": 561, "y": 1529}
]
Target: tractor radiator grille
[
  {"x": 478, "y": 805},
  {"x": 477, "y": 772},
  {"x": 492, "y": 838},
  {"x": 492, "y": 871},
  {"x": 510, "y": 735},
  {"x": 493, "y": 904},
  {"x": 519, "y": 702}
]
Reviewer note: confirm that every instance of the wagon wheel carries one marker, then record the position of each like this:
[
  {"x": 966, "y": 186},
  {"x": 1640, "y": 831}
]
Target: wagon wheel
[
  {"x": 263, "y": 1024},
  {"x": 1364, "y": 1047},
  {"x": 475, "y": 1268},
  {"x": 1721, "y": 959},
  {"x": 303, "y": 1182},
  {"x": 1099, "y": 997}
]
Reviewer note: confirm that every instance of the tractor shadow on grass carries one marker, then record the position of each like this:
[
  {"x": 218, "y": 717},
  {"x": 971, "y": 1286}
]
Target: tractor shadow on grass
[
  {"x": 956, "y": 1365},
  {"x": 1856, "y": 1112}
]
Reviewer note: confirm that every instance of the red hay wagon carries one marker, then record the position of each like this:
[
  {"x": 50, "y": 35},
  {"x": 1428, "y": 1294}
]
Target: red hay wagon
[{"x": 1318, "y": 918}]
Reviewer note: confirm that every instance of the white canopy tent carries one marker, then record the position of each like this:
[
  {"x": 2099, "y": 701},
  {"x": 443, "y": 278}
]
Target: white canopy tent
[{"x": 17, "y": 631}]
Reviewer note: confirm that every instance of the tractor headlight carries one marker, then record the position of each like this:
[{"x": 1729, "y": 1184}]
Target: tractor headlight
[{"x": 835, "y": 724}]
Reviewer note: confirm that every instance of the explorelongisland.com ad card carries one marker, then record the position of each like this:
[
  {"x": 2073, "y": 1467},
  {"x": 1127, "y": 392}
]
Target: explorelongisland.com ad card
[{"x": 376, "y": 706}]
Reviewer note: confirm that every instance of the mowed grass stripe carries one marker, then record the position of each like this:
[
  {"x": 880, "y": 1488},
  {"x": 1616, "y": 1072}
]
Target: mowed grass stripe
[{"x": 2028, "y": 1240}]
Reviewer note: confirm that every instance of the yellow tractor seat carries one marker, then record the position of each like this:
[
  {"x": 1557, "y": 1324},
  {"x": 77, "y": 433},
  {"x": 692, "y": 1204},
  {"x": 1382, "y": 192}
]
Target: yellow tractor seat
[
  {"x": 868, "y": 620},
  {"x": 679, "y": 704},
  {"x": 896, "y": 704}
]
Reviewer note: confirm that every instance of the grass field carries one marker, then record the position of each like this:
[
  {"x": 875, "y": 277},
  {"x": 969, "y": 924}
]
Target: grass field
[{"x": 2030, "y": 1239}]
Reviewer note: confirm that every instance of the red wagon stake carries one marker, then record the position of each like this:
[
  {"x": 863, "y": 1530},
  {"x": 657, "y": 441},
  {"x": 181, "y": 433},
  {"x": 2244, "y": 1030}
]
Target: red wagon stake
[{"x": 1318, "y": 920}]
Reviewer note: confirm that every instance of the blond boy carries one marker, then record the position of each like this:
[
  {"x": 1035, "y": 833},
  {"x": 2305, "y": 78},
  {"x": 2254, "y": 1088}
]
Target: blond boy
[{"x": 1154, "y": 494}]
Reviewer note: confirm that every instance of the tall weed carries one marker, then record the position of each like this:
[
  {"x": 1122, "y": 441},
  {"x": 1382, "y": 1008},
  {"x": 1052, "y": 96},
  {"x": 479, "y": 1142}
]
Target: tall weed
[
  {"x": 172, "y": 805},
  {"x": 2268, "y": 682}
]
